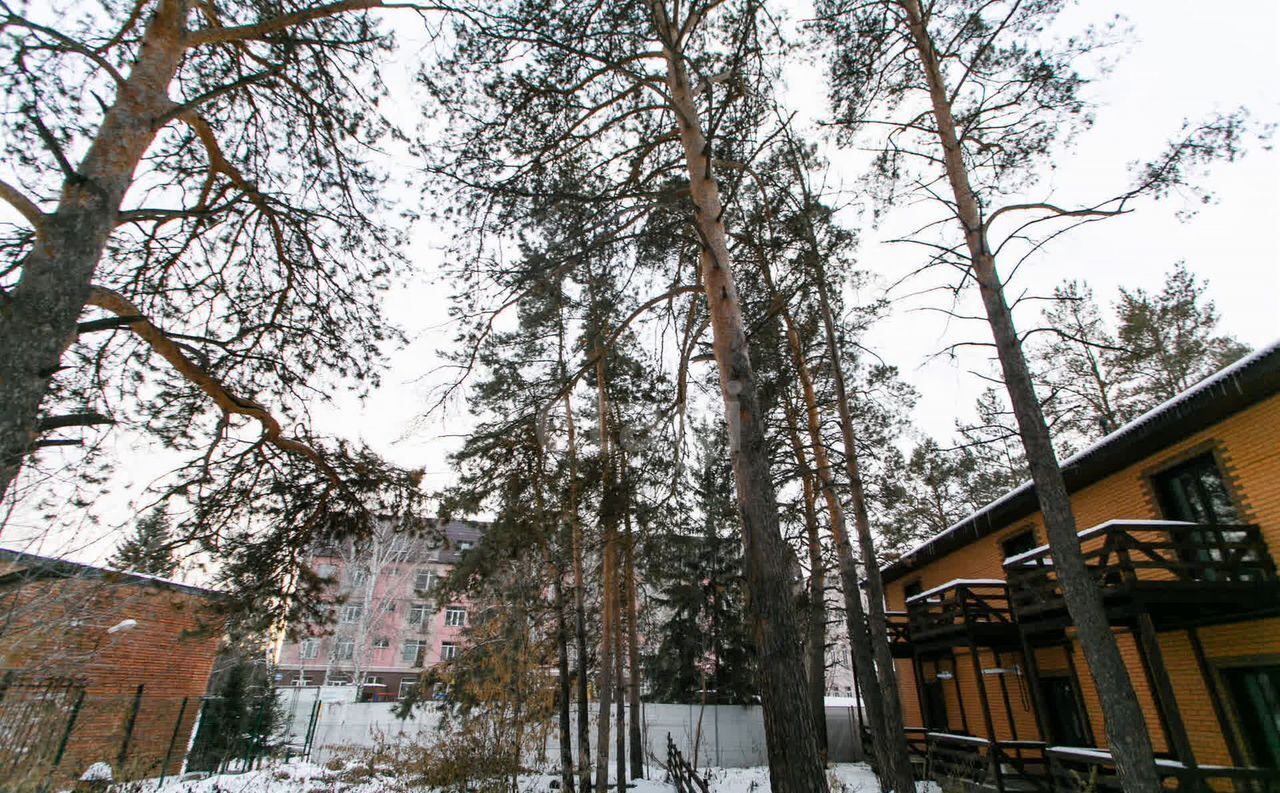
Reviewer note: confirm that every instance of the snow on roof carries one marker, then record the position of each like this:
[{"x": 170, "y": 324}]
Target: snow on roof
[
  {"x": 955, "y": 582},
  {"x": 50, "y": 562},
  {"x": 1094, "y": 531},
  {"x": 1224, "y": 377}
]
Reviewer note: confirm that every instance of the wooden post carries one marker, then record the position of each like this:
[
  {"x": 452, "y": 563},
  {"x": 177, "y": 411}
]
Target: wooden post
[
  {"x": 1033, "y": 683},
  {"x": 1215, "y": 697},
  {"x": 1166, "y": 702},
  {"x": 986, "y": 716},
  {"x": 177, "y": 726}
]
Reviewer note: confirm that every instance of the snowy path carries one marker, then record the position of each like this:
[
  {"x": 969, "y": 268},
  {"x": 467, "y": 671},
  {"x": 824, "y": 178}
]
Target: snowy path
[{"x": 309, "y": 778}]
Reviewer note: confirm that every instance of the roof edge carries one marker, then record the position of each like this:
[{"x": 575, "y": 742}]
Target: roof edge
[{"x": 1219, "y": 396}]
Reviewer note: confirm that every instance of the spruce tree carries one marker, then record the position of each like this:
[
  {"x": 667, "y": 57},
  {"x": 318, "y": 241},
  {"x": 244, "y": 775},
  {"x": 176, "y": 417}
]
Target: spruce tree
[
  {"x": 704, "y": 649},
  {"x": 150, "y": 549}
]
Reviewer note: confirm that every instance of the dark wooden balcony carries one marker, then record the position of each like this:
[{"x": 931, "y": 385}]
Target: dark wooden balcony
[
  {"x": 980, "y": 764},
  {"x": 899, "y": 636},
  {"x": 961, "y": 612},
  {"x": 1075, "y": 770},
  {"x": 1182, "y": 574}
]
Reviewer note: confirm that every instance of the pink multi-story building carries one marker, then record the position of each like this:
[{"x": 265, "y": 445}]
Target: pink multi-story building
[{"x": 388, "y": 625}]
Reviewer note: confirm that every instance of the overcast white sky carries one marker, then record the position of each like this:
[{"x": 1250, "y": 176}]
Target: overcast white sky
[{"x": 1187, "y": 59}]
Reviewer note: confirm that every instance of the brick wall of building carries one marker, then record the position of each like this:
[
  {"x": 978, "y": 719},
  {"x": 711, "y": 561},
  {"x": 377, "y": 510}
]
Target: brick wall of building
[
  {"x": 58, "y": 628},
  {"x": 1247, "y": 449}
]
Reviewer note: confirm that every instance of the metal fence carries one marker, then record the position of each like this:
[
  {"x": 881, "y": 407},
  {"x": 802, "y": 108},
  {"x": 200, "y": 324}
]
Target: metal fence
[{"x": 53, "y": 729}]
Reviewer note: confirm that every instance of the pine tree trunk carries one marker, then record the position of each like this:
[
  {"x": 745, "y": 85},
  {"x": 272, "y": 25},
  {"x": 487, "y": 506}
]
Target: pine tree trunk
[
  {"x": 816, "y": 639},
  {"x": 898, "y": 767},
  {"x": 633, "y": 654},
  {"x": 564, "y": 691},
  {"x": 1127, "y": 736},
  {"x": 579, "y": 608},
  {"x": 608, "y": 579},
  {"x": 620, "y": 711},
  {"x": 794, "y": 763},
  {"x": 894, "y": 761},
  {"x": 38, "y": 317}
]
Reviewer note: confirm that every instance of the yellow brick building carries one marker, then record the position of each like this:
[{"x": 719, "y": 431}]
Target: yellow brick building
[{"x": 1179, "y": 513}]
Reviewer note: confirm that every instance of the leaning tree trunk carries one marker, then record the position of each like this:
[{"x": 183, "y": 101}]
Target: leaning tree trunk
[
  {"x": 892, "y": 756},
  {"x": 38, "y": 317},
  {"x": 1127, "y": 735},
  {"x": 794, "y": 763},
  {"x": 816, "y": 635},
  {"x": 885, "y": 685},
  {"x": 579, "y": 607}
]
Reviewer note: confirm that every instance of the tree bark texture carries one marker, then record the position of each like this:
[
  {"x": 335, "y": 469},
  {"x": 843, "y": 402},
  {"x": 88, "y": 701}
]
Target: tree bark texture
[
  {"x": 1127, "y": 735},
  {"x": 38, "y": 320},
  {"x": 634, "y": 737},
  {"x": 608, "y": 580},
  {"x": 794, "y": 763},
  {"x": 579, "y": 608}
]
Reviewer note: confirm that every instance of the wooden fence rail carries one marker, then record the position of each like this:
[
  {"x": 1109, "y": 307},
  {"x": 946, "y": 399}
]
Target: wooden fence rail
[{"x": 683, "y": 775}]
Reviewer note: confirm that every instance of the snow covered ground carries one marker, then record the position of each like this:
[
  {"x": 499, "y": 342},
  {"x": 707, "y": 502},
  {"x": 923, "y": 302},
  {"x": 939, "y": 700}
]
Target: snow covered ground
[{"x": 298, "y": 777}]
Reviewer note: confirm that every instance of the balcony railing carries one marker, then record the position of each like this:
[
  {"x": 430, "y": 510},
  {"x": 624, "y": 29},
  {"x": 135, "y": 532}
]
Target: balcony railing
[
  {"x": 1075, "y": 770},
  {"x": 1203, "y": 563},
  {"x": 963, "y": 607},
  {"x": 899, "y": 635},
  {"x": 997, "y": 765}
]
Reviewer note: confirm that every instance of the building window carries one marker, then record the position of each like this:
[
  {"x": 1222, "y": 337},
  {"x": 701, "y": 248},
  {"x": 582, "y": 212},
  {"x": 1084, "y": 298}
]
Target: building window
[
  {"x": 381, "y": 644},
  {"x": 1194, "y": 491},
  {"x": 411, "y": 652},
  {"x": 359, "y": 577},
  {"x": 455, "y": 617},
  {"x": 407, "y": 684},
  {"x": 448, "y": 651},
  {"x": 308, "y": 649},
  {"x": 419, "y": 613},
  {"x": 912, "y": 589},
  {"x": 425, "y": 580},
  {"x": 352, "y": 613},
  {"x": 1255, "y": 694},
  {"x": 344, "y": 650},
  {"x": 466, "y": 545},
  {"x": 373, "y": 680},
  {"x": 1065, "y": 720},
  {"x": 1019, "y": 543},
  {"x": 327, "y": 571}
]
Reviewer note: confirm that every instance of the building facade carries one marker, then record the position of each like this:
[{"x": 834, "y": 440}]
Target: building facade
[
  {"x": 1179, "y": 518},
  {"x": 98, "y": 666},
  {"x": 387, "y": 625}
]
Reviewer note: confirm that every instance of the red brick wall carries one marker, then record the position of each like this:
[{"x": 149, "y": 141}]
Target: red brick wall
[{"x": 58, "y": 627}]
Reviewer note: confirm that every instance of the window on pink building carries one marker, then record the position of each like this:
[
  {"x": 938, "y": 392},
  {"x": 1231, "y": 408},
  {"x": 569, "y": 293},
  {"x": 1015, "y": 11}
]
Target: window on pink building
[{"x": 455, "y": 617}]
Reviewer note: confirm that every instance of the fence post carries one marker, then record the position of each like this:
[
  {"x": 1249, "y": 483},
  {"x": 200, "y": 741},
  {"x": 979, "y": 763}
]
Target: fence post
[
  {"x": 177, "y": 727},
  {"x": 66, "y": 733},
  {"x": 128, "y": 727}
]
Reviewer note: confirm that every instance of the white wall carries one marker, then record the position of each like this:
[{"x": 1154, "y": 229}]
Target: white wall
[{"x": 730, "y": 736}]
